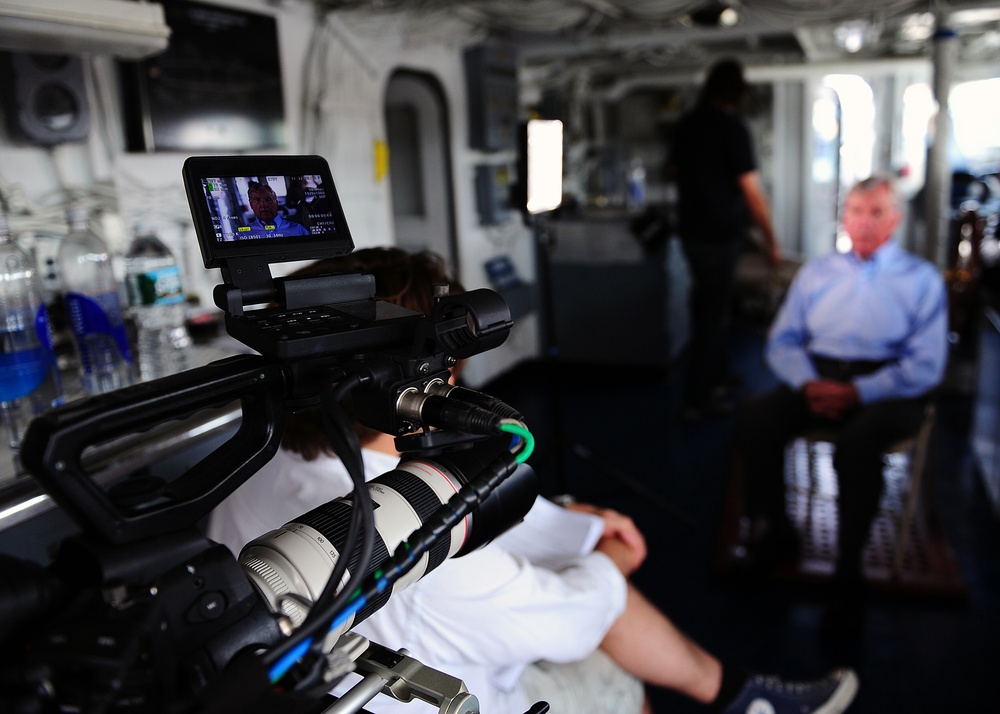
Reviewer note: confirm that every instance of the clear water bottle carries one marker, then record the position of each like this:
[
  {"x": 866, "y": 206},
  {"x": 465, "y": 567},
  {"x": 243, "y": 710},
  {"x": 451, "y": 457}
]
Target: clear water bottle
[
  {"x": 156, "y": 301},
  {"x": 29, "y": 377},
  {"x": 93, "y": 307}
]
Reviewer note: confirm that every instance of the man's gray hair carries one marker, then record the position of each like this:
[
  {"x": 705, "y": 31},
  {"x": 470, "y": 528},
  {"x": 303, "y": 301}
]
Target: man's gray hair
[
  {"x": 876, "y": 181},
  {"x": 258, "y": 187}
]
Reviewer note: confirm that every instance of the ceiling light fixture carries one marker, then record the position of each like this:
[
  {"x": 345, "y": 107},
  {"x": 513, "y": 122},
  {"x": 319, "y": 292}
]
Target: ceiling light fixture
[
  {"x": 714, "y": 14},
  {"x": 854, "y": 35},
  {"x": 729, "y": 17},
  {"x": 917, "y": 27}
]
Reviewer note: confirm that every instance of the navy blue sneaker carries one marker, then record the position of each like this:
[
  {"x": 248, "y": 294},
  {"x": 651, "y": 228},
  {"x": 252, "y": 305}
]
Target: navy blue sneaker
[{"x": 771, "y": 695}]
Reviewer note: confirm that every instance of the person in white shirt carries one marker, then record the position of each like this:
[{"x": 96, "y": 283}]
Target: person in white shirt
[{"x": 576, "y": 634}]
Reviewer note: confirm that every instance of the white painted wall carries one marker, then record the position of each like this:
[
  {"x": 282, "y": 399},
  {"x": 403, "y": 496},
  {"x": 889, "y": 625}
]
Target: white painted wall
[{"x": 344, "y": 86}]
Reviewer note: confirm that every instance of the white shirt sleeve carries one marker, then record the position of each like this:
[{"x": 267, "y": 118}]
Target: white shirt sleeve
[
  {"x": 285, "y": 488},
  {"x": 494, "y": 608}
]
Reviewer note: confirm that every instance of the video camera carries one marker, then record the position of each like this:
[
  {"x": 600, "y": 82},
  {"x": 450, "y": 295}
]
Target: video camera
[{"x": 140, "y": 612}]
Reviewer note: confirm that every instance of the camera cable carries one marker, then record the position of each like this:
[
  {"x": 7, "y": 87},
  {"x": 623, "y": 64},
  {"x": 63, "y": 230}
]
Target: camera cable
[
  {"x": 409, "y": 551},
  {"x": 329, "y": 614},
  {"x": 344, "y": 442}
]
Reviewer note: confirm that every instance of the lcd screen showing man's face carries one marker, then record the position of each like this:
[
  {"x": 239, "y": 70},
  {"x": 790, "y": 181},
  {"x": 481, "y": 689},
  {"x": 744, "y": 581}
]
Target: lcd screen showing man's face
[
  {"x": 264, "y": 204},
  {"x": 267, "y": 209}
]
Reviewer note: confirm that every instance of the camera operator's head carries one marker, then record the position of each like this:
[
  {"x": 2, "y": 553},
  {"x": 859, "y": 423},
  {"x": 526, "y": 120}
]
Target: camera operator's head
[{"x": 403, "y": 278}]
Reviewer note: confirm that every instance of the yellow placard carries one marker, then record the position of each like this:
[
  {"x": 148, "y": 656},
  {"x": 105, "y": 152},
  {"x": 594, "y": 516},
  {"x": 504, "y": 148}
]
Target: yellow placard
[{"x": 381, "y": 160}]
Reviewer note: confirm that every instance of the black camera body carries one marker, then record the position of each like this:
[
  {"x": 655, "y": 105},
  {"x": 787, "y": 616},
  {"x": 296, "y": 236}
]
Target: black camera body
[
  {"x": 132, "y": 643},
  {"x": 140, "y": 612}
]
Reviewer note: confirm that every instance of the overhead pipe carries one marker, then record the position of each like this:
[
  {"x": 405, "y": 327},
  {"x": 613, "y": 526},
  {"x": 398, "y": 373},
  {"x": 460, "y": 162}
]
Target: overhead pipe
[{"x": 937, "y": 193}]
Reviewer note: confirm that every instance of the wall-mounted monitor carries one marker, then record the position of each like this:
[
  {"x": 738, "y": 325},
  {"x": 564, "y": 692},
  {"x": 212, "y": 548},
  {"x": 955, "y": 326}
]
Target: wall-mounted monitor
[{"x": 217, "y": 87}]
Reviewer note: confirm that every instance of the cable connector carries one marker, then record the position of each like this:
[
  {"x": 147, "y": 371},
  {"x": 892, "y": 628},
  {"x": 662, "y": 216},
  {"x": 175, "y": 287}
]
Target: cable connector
[
  {"x": 433, "y": 410},
  {"x": 471, "y": 396}
]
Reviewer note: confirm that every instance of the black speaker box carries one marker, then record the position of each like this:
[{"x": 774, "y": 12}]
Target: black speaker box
[{"x": 45, "y": 97}]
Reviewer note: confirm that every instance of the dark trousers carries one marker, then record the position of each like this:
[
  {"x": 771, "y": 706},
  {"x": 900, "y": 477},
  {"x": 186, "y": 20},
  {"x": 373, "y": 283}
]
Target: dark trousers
[
  {"x": 712, "y": 265},
  {"x": 766, "y": 423}
]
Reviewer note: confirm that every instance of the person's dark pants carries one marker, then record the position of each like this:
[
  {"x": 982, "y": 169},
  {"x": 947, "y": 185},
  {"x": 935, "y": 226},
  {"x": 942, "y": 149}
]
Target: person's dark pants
[
  {"x": 712, "y": 264},
  {"x": 766, "y": 423}
]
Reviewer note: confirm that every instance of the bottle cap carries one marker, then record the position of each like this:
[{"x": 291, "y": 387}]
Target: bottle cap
[
  {"x": 77, "y": 214},
  {"x": 144, "y": 227}
]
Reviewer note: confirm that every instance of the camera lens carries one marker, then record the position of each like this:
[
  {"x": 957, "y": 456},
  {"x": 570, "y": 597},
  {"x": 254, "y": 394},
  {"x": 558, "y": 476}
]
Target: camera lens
[{"x": 290, "y": 565}]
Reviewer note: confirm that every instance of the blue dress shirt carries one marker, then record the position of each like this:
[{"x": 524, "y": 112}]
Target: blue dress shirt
[
  {"x": 892, "y": 307},
  {"x": 278, "y": 228}
]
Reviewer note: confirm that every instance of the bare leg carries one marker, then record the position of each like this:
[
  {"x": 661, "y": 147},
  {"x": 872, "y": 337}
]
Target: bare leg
[{"x": 647, "y": 645}]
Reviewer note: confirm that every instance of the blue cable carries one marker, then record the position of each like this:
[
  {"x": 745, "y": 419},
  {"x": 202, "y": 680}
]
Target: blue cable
[{"x": 285, "y": 663}]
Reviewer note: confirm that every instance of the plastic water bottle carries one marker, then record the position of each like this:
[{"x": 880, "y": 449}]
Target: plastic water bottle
[
  {"x": 635, "y": 199},
  {"x": 93, "y": 307},
  {"x": 156, "y": 301},
  {"x": 29, "y": 377}
]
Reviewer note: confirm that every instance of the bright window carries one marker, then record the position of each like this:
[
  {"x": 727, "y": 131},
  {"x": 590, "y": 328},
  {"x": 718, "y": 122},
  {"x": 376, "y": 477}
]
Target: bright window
[
  {"x": 975, "y": 116},
  {"x": 857, "y": 136},
  {"x": 919, "y": 108}
]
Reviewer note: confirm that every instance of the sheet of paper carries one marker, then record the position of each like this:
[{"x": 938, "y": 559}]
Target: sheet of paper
[{"x": 550, "y": 535}]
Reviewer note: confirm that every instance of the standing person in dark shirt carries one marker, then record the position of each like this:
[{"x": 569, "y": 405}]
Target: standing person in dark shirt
[{"x": 719, "y": 187}]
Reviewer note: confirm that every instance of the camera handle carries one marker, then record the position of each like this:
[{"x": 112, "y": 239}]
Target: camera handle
[
  {"x": 55, "y": 443},
  {"x": 395, "y": 673},
  {"x": 401, "y": 677}
]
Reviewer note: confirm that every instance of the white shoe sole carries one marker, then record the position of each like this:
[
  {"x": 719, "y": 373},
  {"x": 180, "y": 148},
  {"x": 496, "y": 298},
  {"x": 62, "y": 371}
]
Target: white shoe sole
[{"x": 843, "y": 695}]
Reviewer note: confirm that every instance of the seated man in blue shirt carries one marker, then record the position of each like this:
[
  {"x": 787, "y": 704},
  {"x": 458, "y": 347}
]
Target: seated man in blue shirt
[
  {"x": 269, "y": 224},
  {"x": 859, "y": 342}
]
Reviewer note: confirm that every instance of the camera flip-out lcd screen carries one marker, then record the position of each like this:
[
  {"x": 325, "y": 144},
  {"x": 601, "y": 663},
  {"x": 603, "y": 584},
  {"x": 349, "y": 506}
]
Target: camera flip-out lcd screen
[{"x": 285, "y": 208}]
